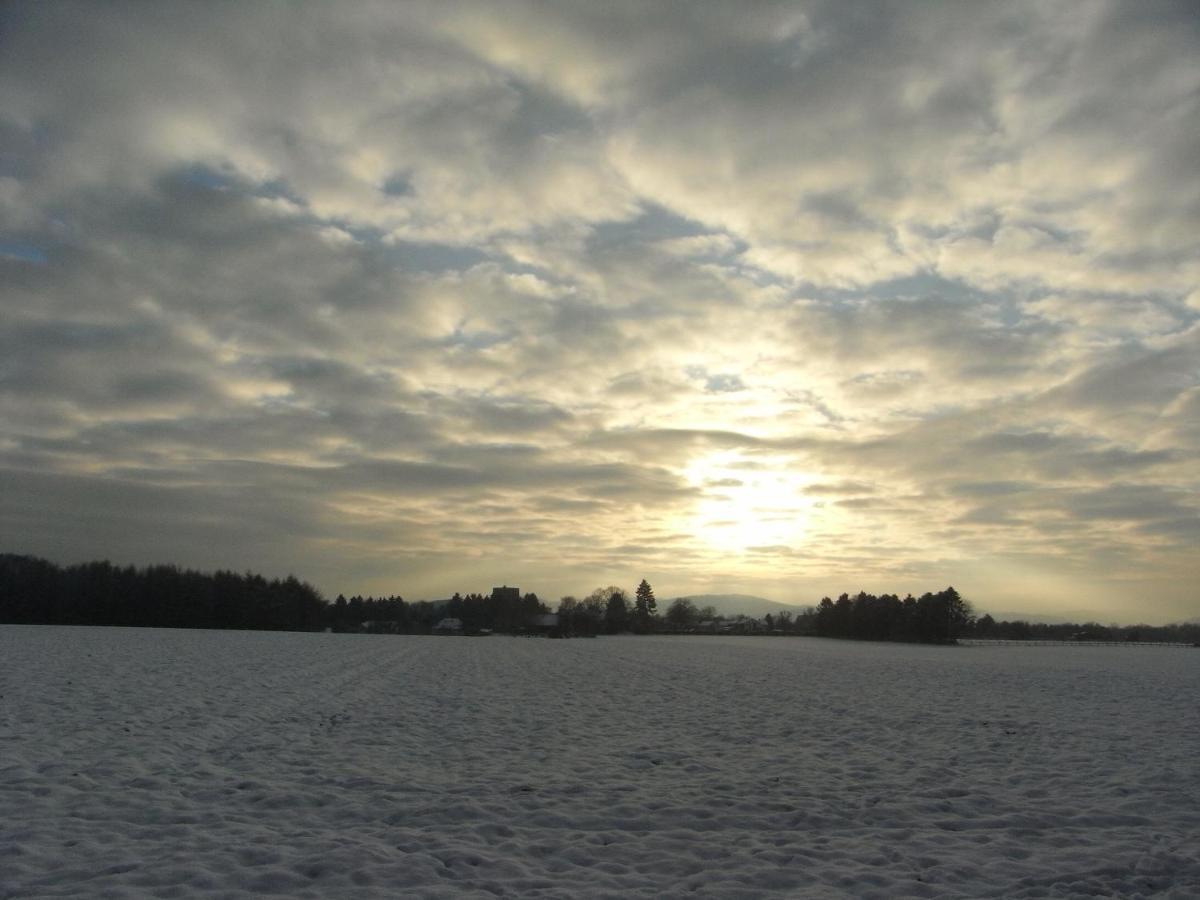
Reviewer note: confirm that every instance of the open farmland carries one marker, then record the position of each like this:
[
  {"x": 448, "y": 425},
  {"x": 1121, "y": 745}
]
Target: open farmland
[{"x": 143, "y": 762}]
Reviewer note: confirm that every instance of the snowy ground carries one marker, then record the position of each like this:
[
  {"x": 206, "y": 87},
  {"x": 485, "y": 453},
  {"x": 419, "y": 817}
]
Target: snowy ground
[{"x": 140, "y": 763}]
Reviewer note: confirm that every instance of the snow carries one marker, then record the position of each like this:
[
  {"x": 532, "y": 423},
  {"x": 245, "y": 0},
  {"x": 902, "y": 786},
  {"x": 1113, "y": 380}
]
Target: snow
[{"x": 153, "y": 763}]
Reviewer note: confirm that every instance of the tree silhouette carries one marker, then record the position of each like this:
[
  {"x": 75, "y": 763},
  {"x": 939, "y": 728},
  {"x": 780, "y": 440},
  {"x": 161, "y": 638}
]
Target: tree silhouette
[
  {"x": 644, "y": 606},
  {"x": 682, "y": 613},
  {"x": 933, "y": 618},
  {"x": 34, "y": 591},
  {"x": 616, "y": 613},
  {"x": 825, "y": 624},
  {"x": 568, "y": 608}
]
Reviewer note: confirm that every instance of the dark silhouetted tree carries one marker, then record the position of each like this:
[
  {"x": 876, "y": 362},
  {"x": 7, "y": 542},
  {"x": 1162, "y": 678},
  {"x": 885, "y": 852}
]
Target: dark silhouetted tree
[
  {"x": 592, "y": 610},
  {"x": 682, "y": 614},
  {"x": 567, "y": 612},
  {"x": 826, "y": 619},
  {"x": 35, "y": 591},
  {"x": 531, "y": 608},
  {"x": 644, "y": 606},
  {"x": 616, "y": 612}
]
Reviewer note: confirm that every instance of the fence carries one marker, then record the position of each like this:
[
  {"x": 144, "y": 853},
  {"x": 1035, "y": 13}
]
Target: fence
[{"x": 1031, "y": 642}]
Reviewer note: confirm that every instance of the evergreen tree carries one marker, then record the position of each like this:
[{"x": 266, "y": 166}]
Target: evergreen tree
[
  {"x": 644, "y": 606},
  {"x": 616, "y": 613},
  {"x": 34, "y": 591},
  {"x": 826, "y": 618}
]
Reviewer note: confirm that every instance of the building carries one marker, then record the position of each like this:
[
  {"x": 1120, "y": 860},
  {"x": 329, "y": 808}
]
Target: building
[{"x": 506, "y": 594}]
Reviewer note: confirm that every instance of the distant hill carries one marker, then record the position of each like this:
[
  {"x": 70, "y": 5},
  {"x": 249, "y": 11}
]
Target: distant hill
[
  {"x": 1052, "y": 618},
  {"x": 1040, "y": 619},
  {"x": 736, "y": 604}
]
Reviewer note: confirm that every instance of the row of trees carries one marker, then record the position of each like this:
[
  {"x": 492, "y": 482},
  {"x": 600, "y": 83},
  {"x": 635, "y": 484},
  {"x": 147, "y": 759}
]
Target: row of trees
[
  {"x": 930, "y": 618},
  {"x": 35, "y": 591},
  {"x": 505, "y": 611},
  {"x": 607, "y": 610},
  {"x": 38, "y": 592},
  {"x": 936, "y": 618},
  {"x": 1020, "y": 630},
  {"x": 394, "y": 615}
]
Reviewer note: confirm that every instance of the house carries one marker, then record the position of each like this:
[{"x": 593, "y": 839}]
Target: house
[
  {"x": 506, "y": 594},
  {"x": 448, "y": 626},
  {"x": 740, "y": 625}
]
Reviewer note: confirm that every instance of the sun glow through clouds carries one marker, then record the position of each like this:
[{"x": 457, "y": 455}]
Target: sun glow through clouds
[{"x": 747, "y": 502}]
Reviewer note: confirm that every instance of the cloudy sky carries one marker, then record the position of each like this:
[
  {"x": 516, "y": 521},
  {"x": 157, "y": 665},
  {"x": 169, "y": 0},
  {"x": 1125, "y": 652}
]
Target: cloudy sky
[{"x": 779, "y": 298}]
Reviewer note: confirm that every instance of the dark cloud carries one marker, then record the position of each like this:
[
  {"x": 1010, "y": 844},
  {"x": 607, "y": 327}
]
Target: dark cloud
[
  {"x": 840, "y": 488},
  {"x": 1138, "y": 378},
  {"x": 1128, "y": 502},
  {"x": 991, "y": 488}
]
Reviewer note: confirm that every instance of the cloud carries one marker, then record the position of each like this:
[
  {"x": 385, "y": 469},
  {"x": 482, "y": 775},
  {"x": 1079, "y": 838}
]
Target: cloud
[{"x": 402, "y": 296}]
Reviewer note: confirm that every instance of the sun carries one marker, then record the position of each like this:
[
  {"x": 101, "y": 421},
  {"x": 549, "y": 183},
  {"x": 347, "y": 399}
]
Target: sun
[{"x": 747, "y": 502}]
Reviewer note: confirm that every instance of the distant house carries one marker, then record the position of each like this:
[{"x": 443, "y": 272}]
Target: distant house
[
  {"x": 740, "y": 625},
  {"x": 506, "y": 594},
  {"x": 547, "y": 624},
  {"x": 448, "y": 626}
]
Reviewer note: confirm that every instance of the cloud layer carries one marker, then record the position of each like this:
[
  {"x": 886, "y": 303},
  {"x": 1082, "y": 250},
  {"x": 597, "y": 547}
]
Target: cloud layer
[{"x": 770, "y": 297}]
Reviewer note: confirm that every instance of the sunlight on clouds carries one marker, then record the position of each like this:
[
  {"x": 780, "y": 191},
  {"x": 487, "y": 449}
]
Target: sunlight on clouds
[
  {"x": 258, "y": 390},
  {"x": 747, "y": 502}
]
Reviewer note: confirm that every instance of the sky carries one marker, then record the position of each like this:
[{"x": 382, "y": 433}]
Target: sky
[{"x": 786, "y": 299}]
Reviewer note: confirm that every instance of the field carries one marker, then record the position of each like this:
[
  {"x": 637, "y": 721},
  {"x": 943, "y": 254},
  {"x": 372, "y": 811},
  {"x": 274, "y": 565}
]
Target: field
[{"x": 153, "y": 763}]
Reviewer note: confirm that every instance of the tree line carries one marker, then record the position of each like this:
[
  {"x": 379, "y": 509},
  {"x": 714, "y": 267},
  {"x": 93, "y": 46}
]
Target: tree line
[
  {"x": 931, "y": 618},
  {"x": 38, "y": 592},
  {"x": 608, "y": 610},
  {"x": 988, "y": 628},
  {"x": 500, "y": 612}
]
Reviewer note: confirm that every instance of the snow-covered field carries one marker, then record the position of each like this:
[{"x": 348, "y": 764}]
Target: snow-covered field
[{"x": 139, "y": 763}]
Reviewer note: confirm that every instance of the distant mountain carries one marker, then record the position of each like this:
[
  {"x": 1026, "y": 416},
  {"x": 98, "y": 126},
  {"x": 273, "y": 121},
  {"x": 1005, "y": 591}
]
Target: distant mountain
[
  {"x": 736, "y": 605},
  {"x": 1043, "y": 618}
]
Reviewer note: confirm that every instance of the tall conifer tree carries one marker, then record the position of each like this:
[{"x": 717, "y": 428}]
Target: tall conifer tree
[{"x": 645, "y": 606}]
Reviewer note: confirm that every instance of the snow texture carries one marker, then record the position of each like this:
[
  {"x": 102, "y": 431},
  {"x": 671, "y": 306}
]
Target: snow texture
[{"x": 150, "y": 763}]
